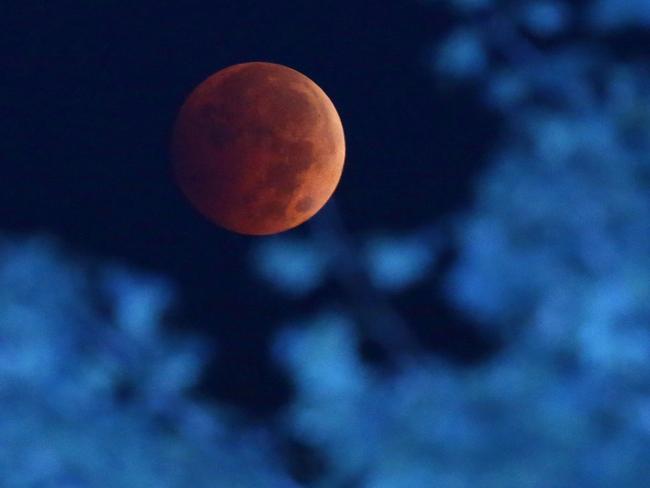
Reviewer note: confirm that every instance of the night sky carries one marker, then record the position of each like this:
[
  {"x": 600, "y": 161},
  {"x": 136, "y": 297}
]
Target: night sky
[{"x": 89, "y": 94}]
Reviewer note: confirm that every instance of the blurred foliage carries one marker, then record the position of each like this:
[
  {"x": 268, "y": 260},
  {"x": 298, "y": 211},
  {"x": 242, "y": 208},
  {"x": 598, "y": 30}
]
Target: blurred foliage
[
  {"x": 95, "y": 394},
  {"x": 527, "y": 418}
]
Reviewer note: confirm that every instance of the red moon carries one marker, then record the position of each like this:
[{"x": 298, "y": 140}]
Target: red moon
[{"x": 258, "y": 148}]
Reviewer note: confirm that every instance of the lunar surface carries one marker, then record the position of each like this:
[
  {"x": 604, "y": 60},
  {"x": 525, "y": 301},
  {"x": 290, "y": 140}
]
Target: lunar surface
[{"x": 258, "y": 148}]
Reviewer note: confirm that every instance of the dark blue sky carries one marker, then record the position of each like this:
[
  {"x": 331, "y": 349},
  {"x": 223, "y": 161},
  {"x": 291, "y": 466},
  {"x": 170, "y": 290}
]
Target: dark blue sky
[{"x": 89, "y": 94}]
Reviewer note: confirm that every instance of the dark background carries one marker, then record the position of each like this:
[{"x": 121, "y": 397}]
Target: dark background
[{"x": 89, "y": 94}]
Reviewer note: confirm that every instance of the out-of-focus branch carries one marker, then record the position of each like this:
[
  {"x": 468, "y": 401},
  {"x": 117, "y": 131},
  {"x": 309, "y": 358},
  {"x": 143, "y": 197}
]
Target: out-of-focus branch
[
  {"x": 502, "y": 35},
  {"x": 377, "y": 319}
]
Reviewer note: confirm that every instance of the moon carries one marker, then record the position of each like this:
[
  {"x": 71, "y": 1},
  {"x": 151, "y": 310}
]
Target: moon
[{"x": 258, "y": 148}]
